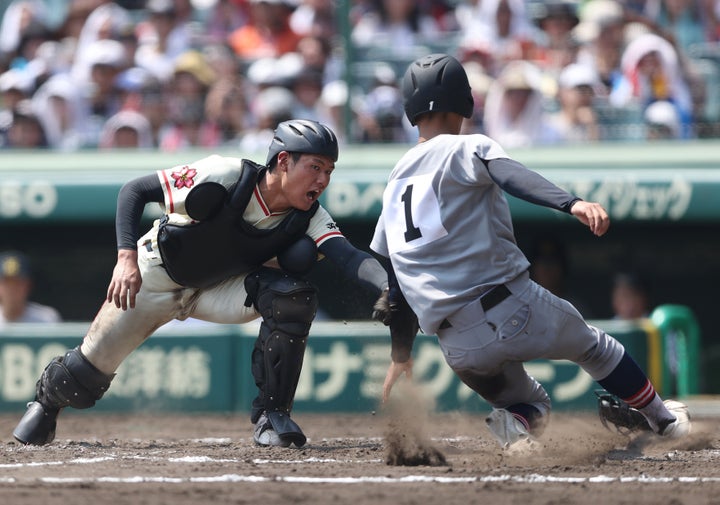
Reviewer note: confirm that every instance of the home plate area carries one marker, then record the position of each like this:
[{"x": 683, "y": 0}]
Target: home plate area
[{"x": 351, "y": 458}]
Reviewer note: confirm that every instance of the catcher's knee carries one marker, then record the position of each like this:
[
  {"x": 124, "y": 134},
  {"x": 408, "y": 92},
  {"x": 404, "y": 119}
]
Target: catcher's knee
[
  {"x": 71, "y": 381},
  {"x": 284, "y": 302}
]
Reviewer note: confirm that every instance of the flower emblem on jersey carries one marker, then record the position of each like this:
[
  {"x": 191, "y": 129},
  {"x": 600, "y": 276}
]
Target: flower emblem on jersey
[{"x": 185, "y": 178}]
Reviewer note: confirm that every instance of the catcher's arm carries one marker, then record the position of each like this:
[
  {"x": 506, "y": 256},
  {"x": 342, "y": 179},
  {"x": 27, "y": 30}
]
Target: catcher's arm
[{"x": 132, "y": 199}]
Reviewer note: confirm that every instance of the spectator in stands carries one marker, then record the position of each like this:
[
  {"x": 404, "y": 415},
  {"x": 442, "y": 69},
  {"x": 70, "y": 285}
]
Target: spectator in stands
[
  {"x": 315, "y": 18},
  {"x": 16, "y": 282},
  {"x": 307, "y": 87},
  {"x": 76, "y": 16},
  {"x": 109, "y": 21},
  {"x": 514, "y": 114},
  {"x": 22, "y": 29},
  {"x": 480, "y": 82},
  {"x": 502, "y": 29},
  {"x": 128, "y": 129},
  {"x": 601, "y": 33},
  {"x": 557, "y": 46},
  {"x": 630, "y": 296},
  {"x": 270, "y": 107},
  {"x": 317, "y": 53},
  {"x": 268, "y": 34},
  {"x": 381, "y": 116},
  {"x": 162, "y": 38},
  {"x": 106, "y": 59},
  {"x": 51, "y": 58},
  {"x": 651, "y": 72},
  {"x": 226, "y": 108},
  {"x": 25, "y": 131},
  {"x": 576, "y": 119},
  {"x": 379, "y": 112},
  {"x": 15, "y": 85},
  {"x": 466, "y": 13},
  {"x": 223, "y": 18},
  {"x": 64, "y": 113},
  {"x": 556, "y": 20},
  {"x": 187, "y": 93},
  {"x": 333, "y": 109},
  {"x": 682, "y": 22},
  {"x": 142, "y": 91},
  {"x": 395, "y": 27},
  {"x": 662, "y": 121},
  {"x": 223, "y": 62}
]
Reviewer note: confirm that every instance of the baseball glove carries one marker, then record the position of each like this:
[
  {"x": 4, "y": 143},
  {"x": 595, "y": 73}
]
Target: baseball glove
[
  {"x": 616, "y": 415},
  {"x": 383, "y": 309}
]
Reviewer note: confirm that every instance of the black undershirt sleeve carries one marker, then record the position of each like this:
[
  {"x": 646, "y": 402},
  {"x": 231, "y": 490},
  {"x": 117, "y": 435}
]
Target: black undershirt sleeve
[
  {"x": 358, "y": 265},
  {"x": 519, "y": 181},
  {"x": 133, "y": 197}
]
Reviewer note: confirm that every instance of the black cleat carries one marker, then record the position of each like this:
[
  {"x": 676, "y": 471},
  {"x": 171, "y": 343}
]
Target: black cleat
[{"x": 37, "y": 426}]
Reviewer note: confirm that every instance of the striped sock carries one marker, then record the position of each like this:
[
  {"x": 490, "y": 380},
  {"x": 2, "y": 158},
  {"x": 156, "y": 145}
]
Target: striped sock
[{"x": 643, "y": 397}]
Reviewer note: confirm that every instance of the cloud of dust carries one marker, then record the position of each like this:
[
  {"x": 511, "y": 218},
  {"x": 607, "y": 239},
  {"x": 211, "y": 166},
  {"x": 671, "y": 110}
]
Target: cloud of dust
[{"x": 407, "y": 412}]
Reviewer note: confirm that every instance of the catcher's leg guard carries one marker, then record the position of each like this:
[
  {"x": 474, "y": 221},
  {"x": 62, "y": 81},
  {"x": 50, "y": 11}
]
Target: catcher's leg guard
[
  {"x": 67, "y": 381},
  {"x": 288, "y": 306}
]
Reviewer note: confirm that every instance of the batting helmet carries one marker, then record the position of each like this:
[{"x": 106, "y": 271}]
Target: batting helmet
[
  {"x": 436, "y": 82},
  {"x": 303, "y": 136}
]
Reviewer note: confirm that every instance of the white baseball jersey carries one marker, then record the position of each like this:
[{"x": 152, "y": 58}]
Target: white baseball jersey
[
  {"x": 115, "y": 332},
  {"x": 447, "y": 245},
  {"x": 178, "y": 181}
]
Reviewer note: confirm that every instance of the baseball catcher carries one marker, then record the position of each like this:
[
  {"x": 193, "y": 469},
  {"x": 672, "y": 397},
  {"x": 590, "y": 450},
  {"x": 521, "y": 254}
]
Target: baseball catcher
[{"x": 234, "y": 244}]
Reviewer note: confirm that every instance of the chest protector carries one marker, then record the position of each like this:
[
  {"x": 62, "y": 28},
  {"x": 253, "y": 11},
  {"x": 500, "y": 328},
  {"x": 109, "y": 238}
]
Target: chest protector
[{"x": 221, "y": 244}]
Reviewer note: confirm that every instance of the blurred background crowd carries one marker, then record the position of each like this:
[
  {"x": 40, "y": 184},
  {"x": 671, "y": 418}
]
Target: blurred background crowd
[{"x": 176, "y": 74}]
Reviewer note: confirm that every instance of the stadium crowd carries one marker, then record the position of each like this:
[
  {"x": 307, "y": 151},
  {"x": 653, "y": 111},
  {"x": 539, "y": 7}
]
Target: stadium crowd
[{"x": 175, "y": 74}]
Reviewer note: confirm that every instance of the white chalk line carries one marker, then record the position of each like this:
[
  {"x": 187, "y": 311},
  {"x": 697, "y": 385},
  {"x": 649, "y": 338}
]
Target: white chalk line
[
  {"x": 524, "y": 479},
  {"x": 521, "y": 479},
  {"x": 188, "y": 459},
  {"x": 518, "y": 479}
]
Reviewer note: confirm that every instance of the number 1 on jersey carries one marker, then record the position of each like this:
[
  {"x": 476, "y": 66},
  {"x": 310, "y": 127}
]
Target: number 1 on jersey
[{"x": 412, "y": 232}]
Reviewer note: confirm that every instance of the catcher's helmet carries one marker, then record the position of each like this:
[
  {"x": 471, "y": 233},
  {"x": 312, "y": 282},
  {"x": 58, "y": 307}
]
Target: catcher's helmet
[
  {"x": 436, "y": 82},
  {"x": 303, "y": 136}
]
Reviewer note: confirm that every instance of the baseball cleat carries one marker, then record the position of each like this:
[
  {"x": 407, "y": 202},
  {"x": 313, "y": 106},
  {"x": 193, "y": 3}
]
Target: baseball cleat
[
  {"x": 264, "y": 434},
  {"x": 37, "y": 426},
  {"x": 506, "y": 428},
  {"x": 681, "y": 426}
]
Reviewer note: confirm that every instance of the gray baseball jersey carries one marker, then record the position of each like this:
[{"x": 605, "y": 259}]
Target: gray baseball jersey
[{"x": 441, "y": 270}]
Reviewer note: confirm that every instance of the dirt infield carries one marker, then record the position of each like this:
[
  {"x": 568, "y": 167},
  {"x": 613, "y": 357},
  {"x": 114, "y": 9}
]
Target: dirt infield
[{"x": 182, "y": 459}]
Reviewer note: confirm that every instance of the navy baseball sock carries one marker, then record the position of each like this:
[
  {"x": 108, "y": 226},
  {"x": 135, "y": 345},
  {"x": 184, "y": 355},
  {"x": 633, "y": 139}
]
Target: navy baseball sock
[
  {"x": 629, "y": 383},
  {"x": 529, "y": 415}
]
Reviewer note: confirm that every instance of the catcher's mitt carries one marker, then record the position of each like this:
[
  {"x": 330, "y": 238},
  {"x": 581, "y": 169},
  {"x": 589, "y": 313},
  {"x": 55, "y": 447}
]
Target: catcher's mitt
[
  {"x": 384, "y": 308},
  {"x": 617, "y": 415}
]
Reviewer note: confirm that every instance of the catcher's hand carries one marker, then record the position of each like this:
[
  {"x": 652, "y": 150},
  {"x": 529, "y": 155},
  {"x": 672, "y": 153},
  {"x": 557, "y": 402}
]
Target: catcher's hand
[
  {"x": 394, "y": 373},
  {"x": 126, "y": 280},
  {"x": 383, "y": 309}
]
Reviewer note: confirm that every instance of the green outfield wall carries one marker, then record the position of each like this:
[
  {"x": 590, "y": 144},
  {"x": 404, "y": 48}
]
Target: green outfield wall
[
  {"x": 663, "y": 182},
  {"x": 203, "y": 367}
]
